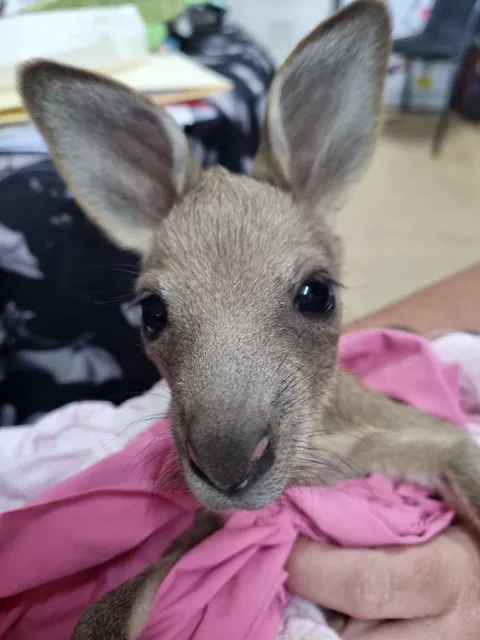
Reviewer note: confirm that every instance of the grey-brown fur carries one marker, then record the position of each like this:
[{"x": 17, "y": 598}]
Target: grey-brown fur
[
  {"x": 121, "y": 614},
  {"x": 228, "y": 254}
]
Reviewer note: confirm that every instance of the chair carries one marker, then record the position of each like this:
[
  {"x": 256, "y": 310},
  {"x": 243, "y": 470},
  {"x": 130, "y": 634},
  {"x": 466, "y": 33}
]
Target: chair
[{"x": 448, "y": 35}]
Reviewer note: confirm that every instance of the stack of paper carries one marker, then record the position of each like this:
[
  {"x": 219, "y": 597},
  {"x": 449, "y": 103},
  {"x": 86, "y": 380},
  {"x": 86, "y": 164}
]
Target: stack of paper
[
  {"x": 167, "y": 77},
  {"x": 98, "y": 39},
  {"x": 113, "y": 45},
  {"x": 25, "y": 138},
  {"x": 20, "y": 139}
]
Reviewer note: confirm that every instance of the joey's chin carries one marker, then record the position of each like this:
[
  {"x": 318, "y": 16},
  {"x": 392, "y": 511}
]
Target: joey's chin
[{"x": 258, "y": 495}]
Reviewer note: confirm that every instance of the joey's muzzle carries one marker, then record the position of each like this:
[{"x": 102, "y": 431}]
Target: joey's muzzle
[{"x": 231, "y": 463}]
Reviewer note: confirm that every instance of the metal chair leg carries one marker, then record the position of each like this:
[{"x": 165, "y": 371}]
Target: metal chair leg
[
  {"x": 443, "y": 121},
  {"x": 407, "y": 86},
  {"x": 441, "y": 129}
]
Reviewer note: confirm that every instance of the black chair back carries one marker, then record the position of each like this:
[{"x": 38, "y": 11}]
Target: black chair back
[{"x": 448, "y": 20}]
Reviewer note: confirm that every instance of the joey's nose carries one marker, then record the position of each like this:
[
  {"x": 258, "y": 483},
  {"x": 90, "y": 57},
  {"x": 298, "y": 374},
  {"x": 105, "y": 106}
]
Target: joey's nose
[{"x": 231, "y": 466}]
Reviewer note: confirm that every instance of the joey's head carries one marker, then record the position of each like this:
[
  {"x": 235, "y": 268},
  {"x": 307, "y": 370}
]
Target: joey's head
[{"x": 239, "y": 283}]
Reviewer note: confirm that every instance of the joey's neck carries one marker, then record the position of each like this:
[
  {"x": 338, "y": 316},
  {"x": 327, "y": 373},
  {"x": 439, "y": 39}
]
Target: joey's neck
[{"x": 353, "y": 406}]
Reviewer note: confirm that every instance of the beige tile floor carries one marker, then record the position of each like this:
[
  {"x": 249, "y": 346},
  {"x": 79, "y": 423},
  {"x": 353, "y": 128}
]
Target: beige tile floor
[{"x": 414, "y": 219}]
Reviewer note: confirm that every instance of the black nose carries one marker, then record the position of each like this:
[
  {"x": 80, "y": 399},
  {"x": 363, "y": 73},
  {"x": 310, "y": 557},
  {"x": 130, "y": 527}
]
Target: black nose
[{"x": 234, "y": 467}]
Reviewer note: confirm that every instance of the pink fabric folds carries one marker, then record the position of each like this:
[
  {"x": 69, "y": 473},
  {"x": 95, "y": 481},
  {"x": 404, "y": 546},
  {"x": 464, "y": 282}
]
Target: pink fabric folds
[{"x": 96, "y": 530}]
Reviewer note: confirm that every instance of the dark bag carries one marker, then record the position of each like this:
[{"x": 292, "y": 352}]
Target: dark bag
[{"x": 467, "y": 100}]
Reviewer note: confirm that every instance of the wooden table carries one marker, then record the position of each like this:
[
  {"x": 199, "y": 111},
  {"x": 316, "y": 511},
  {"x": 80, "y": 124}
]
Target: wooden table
[{"x": 453, "y": 303}]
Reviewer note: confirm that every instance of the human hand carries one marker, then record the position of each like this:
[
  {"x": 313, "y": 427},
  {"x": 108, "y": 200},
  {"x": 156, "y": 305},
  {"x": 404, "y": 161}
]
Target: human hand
[{"x": 427, "y": 592}]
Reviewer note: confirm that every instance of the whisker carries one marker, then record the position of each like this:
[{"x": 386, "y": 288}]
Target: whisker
[{"x": 154, "y": 417}]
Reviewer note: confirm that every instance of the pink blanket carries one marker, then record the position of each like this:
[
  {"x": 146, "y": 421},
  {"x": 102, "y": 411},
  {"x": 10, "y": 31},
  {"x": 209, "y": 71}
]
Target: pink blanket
[{"x": 96, "y": 530}]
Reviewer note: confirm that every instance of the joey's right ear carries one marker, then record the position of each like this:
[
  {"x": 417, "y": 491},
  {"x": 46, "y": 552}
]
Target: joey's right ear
[{"x": 125, "y": 160}]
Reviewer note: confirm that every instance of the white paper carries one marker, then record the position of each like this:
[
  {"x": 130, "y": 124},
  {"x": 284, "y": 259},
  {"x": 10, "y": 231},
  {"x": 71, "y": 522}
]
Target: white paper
[{"x": 99, "y": 39}]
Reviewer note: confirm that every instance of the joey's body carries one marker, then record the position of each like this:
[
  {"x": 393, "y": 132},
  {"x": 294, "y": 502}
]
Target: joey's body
[{"x": 240, "y": 283}]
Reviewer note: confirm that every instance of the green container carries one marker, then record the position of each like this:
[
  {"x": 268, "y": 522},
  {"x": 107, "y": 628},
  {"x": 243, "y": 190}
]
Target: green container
[{"x": 151, "y": 10}]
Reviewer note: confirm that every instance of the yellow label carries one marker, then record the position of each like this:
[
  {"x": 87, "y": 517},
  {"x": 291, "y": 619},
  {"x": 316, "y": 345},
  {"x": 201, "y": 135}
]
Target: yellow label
[{"x": 425, "y": 82}]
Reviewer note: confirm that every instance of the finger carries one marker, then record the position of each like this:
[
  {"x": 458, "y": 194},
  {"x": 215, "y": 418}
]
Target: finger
[
  {"x": 359, "y": 629},
  {"x": 376, "y": 584},
  {"x": 427, "y": 629}
]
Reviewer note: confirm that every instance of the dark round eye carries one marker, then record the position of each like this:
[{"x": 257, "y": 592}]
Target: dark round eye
[
  {"x": 154, "y": 316},
  {"x": 315, "y": 298}
]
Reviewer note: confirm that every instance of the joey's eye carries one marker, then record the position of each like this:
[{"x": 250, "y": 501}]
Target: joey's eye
[
  {"x": 315, "y": 298},
  {"x": 154, "y": 316}
]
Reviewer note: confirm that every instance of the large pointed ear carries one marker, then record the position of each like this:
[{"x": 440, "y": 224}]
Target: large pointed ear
[
  {"x": 324, "y": 106},
  {"x": 125, "y": 160}
]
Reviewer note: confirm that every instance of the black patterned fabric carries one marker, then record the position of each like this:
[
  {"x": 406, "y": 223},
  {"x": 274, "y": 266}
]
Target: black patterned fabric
[
  {"x": 233, "y": 140},
  {"x": 67, "y": 328}
]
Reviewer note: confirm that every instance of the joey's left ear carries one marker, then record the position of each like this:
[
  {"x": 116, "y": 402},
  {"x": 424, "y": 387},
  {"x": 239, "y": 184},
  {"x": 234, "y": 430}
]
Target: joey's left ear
[{"x": 325, "y": 104}]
